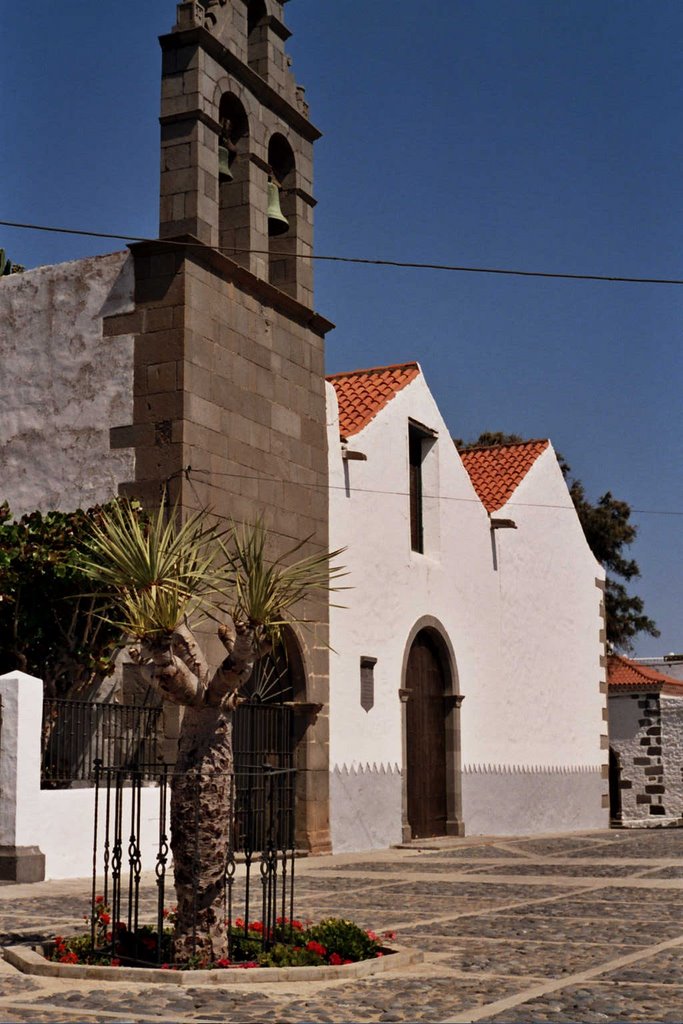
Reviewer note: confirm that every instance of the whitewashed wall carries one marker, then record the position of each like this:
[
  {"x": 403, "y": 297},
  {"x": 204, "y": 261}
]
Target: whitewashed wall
[
  {"x": 63, "y": 385},
  {"x": 524, "y": 626},
  {"x": 58, "y": 823}
]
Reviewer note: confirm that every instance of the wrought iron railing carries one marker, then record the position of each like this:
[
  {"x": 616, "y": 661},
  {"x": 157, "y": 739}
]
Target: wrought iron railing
[
  {"x": 257, "y": 878},
  {"x": 77, "y": 733}
]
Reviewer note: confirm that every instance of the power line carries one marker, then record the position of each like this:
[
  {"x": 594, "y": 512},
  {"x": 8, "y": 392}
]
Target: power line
[
  {"x": 359, "y": 260},
  {"x": 188, "y": 470}
]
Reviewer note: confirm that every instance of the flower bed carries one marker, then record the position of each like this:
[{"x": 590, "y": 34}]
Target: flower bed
[{"x": 332, "y": 942}]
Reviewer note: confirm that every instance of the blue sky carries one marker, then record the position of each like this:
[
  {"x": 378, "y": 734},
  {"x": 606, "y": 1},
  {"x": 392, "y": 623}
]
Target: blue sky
[{"x": 530, "y": 134}]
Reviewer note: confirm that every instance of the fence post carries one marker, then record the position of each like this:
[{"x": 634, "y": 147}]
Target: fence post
[{"x": 22, "y": 712}]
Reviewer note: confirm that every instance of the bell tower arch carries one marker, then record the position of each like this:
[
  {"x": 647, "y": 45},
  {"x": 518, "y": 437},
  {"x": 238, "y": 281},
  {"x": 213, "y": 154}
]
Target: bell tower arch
[{"x": 231, "y": 108}]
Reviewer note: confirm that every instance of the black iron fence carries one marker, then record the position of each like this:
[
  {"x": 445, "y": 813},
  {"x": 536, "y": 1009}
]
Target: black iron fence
[
  {"x": 76, "y": 733},
  {"x": 257, "y": 877}
]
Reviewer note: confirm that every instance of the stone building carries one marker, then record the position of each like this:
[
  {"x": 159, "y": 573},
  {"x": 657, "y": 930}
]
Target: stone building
[
  {"x": 195, "y": 363},
  {"x": 646, "y": 745}
]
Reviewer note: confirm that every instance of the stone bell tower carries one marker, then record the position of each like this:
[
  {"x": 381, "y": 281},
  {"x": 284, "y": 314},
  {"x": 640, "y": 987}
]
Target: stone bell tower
[
  {"x": 236, "y": 141},
  {"x": 229, "y": 387}
]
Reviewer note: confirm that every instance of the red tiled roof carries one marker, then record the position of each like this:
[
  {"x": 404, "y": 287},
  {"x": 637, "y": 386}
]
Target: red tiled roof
[
  {"x": 362, "y": 393},
  {"x": 497, "y": 471},
  {"x": 624, "y": 672}
]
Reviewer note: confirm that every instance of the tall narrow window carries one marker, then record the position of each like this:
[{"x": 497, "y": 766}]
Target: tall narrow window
[{"x": 415, "y": 457}]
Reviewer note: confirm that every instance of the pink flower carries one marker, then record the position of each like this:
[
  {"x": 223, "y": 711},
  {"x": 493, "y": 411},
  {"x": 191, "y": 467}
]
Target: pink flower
[{"x": 372, "y": 935}]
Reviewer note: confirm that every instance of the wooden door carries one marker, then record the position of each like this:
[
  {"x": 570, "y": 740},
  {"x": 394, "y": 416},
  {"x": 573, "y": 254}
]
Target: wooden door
[{"x": 426, "y": 740}]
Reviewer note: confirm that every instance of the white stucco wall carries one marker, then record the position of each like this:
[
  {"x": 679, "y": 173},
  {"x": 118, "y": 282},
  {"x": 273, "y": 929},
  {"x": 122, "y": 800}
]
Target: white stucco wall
[
  {"x": 523, "y": 624},
  {"x": 63, "y": 385},
  {"x": 59, "y": 823}
]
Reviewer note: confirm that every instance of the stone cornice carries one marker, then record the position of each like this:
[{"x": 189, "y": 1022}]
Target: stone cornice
[{"x": 231, "y": 271}]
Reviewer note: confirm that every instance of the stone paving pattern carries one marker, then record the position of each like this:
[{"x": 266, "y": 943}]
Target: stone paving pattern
[{"x": 569, "y": 928}]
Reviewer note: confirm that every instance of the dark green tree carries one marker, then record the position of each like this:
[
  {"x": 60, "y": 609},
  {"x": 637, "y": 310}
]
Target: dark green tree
[
  {"x": 608, "y": 529},
  {"x": 48, "y": 628}
]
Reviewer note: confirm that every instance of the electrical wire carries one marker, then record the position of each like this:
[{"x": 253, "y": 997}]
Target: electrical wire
[
  {"x": 188, "y": 470},
  {"x": 359, "y": 260}
]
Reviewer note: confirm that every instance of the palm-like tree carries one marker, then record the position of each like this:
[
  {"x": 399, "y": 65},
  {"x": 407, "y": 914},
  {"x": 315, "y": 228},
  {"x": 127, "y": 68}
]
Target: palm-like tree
[{"x": 165, "y": 575}]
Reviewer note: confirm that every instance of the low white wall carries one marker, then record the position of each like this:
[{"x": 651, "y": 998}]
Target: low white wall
[
  {"x": 64, "y": 829},
  {"x": 59, "y": 822}
]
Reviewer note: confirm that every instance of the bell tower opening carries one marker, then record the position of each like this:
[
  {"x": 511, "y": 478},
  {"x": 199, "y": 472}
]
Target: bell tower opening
[
  {"x": 282, "y": 215},
  {"x": 257, "y": 37},
  {"x": 234, "y": 214}
]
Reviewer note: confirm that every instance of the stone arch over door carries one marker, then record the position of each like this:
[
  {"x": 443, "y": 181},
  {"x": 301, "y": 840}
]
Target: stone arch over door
[
  {"x": 430, "y": 712},
  {"x": 284, "y": 680}
]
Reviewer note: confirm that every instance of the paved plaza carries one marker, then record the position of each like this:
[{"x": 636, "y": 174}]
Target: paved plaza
[{"x": 585, "y": 927}]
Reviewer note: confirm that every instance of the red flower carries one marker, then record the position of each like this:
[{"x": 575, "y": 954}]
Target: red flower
[
  {"x": 315, "y": 947},
  {"x": 335, "y": 959},
  {"x": 347, "y": 961},
  {"x": 105, "y": 918},
  {"x": 389, "y": 935},
  {"x": 115, "y": 962},
  {"x": 256, "y": 926},
  {"x": 223, "y": 962},
  {"x": 380, "y": 953},
  {"x": 68, "y": 958},
  {"x": 239, "y": 922},
  {"x": 99, "y": 899}
]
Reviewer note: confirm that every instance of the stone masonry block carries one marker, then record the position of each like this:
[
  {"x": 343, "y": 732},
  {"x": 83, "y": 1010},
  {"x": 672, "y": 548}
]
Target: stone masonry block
[
  {"x": 162, "y": 377},
  {"x": 286, "y": 421}
]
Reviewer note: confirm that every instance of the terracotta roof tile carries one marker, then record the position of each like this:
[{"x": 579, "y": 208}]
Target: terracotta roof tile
[
  {"x": 363, "y": 393},
  {"x": 497, "y": 471},
  {"x": 624, "y": 672}
]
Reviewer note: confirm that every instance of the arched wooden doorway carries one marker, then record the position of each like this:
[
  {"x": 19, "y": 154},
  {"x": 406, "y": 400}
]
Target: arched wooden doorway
[
  {"x": 426, "y": 686},
  {"x": 614, "y": 786}
]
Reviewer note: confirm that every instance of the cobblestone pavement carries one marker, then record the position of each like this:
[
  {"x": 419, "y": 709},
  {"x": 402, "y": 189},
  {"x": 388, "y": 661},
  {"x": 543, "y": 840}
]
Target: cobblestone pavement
[{"x": 580, "y": 928}]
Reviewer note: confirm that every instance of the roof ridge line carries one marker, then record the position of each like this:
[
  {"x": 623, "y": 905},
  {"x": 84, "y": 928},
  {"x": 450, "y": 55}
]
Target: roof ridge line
[{"x": 412, "y": 364}]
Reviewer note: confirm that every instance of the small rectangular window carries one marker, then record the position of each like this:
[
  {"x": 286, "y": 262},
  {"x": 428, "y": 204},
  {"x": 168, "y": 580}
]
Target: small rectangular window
[{"x": 367, "y": 682}]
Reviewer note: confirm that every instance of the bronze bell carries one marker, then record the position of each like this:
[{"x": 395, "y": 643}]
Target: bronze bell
[
  {"x": 277, "y": 222},
  {"x": 224, "y": 172}
]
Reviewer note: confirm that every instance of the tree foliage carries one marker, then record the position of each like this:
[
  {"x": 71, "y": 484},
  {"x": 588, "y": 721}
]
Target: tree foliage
[
  {"x": 47, "y": 626},
  {"x": 608, "y": 529}
]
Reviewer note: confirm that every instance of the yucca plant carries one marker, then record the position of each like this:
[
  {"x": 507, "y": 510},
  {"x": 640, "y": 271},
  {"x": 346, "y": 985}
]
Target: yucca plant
[
  {"x": 160, "y": 569},
  {"x": 163, "y": 574},
  {"x": 266, "y": 594}
]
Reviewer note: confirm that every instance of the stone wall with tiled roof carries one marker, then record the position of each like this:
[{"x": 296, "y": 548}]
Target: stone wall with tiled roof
[
  {"x": 622, "y": 672},
  {"x": 361, "y": 394},
  {"x": 497, "y": 471}
]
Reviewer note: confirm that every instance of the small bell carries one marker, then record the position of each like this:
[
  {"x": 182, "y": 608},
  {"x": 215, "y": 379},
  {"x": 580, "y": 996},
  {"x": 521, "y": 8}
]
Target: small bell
[
  {"x": 277, "y": 222},
  {"x": 224, "y": 172}
]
